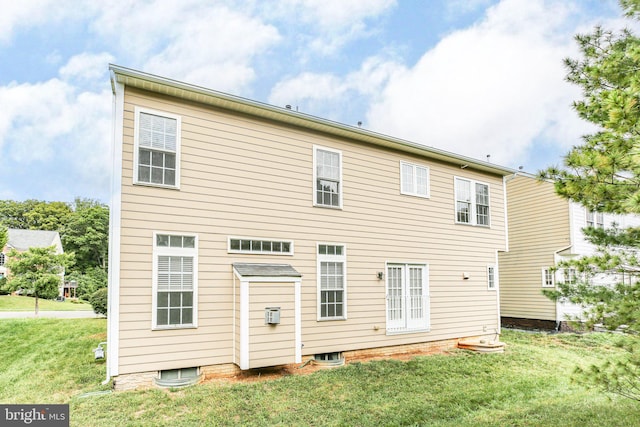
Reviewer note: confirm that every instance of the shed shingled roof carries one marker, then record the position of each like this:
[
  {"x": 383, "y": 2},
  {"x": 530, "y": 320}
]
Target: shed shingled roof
[{"x": 265, "y": 270}]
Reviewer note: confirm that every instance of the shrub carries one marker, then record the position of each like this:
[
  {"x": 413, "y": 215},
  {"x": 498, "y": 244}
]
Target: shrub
[{"x": 98, "y": 301}]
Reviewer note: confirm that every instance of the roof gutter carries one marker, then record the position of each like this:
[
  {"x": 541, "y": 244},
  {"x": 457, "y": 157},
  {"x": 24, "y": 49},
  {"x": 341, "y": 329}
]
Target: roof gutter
[{"x": 162, "y": 85}]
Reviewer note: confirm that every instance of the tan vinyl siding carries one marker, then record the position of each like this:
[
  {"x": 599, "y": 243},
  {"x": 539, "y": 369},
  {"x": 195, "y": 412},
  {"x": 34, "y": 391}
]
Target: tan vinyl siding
[
  {"x": 246, "y": 177},
  {"x": 539, "y": 225}
]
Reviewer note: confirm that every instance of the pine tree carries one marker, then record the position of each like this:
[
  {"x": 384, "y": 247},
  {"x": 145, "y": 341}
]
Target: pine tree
[{"x": 603, "y": 174}]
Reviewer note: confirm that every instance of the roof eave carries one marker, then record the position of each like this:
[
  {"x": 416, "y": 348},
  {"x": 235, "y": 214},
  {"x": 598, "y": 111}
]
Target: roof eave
[{"x": 162, "y": 85}]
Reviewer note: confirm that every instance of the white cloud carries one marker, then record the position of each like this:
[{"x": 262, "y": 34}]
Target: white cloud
[
  {"x": 336, "y": 14},
  {"x": 490, "y": 89},
  {"x": 32, "y": 13},
  {"x": 207, "y": 44},
  {"x": 321, "y": 93},
  {"x": 325, "y": 26},
  {"x": 54, "y": 129},
  {"x": 461, "y": 7},
  {"x": 86, "y": 66}
]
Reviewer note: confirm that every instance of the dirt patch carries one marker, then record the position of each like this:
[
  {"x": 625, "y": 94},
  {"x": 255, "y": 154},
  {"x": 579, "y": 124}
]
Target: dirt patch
[{"x": 275, "y": 372}]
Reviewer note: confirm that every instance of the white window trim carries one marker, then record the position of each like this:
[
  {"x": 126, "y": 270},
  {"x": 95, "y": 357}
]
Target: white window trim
[
  {"x": 595, "y": 217},
  {"x": 415, "y": 193},
  {"x": 473, "y": 213},
  {"x": 331, "y": 258},
  {"x": 158, "y": 251},
  {"x": 544, "y": 278},
  {"x": 136, "y": 146},
  {"x": 569, "y": 273},
  {"x": 495, "y": 277},
  {"x": 426, "y": 295},
  {"x": 262, "y": 239},
  {"x": 315, "y": 176}
]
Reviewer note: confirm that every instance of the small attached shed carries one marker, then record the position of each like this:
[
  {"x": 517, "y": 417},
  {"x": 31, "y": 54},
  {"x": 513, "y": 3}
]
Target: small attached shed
[{"x": 267, "y": 315}]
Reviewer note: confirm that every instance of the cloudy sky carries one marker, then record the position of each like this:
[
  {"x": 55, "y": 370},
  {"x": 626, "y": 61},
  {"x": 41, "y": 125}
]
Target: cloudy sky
[{"x": 474, "y": 77}]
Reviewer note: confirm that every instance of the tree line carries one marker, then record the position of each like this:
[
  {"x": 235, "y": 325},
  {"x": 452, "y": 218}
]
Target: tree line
[{"x": 84, "y": 231}]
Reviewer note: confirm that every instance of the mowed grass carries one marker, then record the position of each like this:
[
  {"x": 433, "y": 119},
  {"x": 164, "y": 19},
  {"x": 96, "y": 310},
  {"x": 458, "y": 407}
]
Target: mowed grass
[
  {"x": 23, "y": 303},
  {"x": 50, "y": 361}
]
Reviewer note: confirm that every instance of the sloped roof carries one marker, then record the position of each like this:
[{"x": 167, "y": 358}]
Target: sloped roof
[
  {"x": 22, "y": 240},
  {"x": 265, "y": 270}
]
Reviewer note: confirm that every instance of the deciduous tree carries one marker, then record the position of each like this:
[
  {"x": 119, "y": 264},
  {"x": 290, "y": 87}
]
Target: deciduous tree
[
  {"x": 38, "y": 271},
  {"x": 86, "y": 233}
]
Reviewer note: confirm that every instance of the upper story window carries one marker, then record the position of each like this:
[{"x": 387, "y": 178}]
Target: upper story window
[
  {"x": 595, "y": 219},
  {"x": 175, "y": 280},
  {"x": 327, "y": 177},
  {"x": 569, "y": 275},
  {"x": 472, "y": 202},
  {"x": 157, "y": 148},
  {"x": 548, "y": 278},
  {"x": 414, "y": 179},
  {"x": 332, "y": 282},
  {"x": 260, "y": 246}
]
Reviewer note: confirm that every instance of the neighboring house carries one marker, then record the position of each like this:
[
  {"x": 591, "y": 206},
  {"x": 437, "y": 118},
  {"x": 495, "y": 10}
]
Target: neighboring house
[
  {"x": 22, "y": 240},
  {"x": 544, "y": 229},
  {"x": 245, "y": 235}
]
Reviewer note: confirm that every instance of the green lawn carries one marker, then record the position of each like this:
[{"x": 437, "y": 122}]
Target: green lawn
[
  {"x": 50, "y": 361},
  {"x": 21, "y": 303}
]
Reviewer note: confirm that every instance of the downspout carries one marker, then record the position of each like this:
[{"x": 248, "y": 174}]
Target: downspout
[
  {"x": 556, "y": 257},
  {"x": 113, "y": 287}
]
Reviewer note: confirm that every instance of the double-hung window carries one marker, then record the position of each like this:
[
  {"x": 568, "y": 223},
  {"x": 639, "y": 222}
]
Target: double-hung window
[
  {"x": 548, "y": 278},
  {"x": 407, "y": 298},
  {"x": 472, "y": 202},
  {"x": 327, "y": 177},
  {"x": 157, "y": 148},
  {"x": 175, "y": 280},
  {"x": 569, "y": 275},
  {"x": 332, "y": 282},
  {"x": 414, "y": 179},
  {"x": 595, "y": 219}
]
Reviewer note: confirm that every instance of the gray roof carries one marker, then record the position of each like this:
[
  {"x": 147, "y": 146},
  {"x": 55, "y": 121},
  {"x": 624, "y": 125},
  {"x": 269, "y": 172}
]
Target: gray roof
[
  {"x": 22, "y": 240},
  {"x": 265, "y": 270}
]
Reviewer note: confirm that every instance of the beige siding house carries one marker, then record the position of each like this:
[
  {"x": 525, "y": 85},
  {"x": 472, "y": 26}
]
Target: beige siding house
[
  {"x": 246, "y": 235},
  {"x": 544, "y": 229}
]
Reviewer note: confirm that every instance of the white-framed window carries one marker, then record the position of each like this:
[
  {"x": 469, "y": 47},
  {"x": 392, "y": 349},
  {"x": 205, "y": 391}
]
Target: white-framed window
[
  {"x": 327, "y": 177},
  {"x": 407, "y": 297},
  {"x": 414, "y": 179},
  {"x": 492, "y": 278},
  {"x": 595, "y": 219},
  {"x": 548, "y": 278},
  {"x": 569, "y": 275},
  {"x": 175, "y": 280},
  {"x": 156, "y": 148},
  {"x": 248, "y": 245},
  {"x": 472, "y": 202},
  {"x": 332, "y": 281}
]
